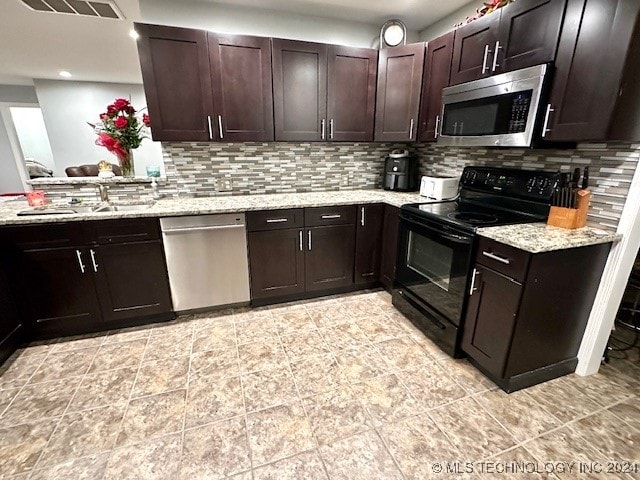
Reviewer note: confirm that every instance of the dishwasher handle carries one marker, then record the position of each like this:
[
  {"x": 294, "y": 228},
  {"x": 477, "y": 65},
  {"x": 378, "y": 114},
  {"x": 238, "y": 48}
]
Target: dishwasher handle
[{"x": 202, "y": 229}]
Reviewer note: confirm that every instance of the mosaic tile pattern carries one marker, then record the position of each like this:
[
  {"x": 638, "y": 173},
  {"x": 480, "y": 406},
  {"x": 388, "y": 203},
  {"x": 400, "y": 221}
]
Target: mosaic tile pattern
[{"x": 235, "y": 394}]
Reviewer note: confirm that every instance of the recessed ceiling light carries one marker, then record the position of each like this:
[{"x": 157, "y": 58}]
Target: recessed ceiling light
[
  {"x": 133, "y": 34},
  {"x": 64, "y": 73}
]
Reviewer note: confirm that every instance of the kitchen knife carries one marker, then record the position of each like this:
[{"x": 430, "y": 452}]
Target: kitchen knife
[
  {"x": 585, "y": 178},
  {"x": 576, "y": 177}
]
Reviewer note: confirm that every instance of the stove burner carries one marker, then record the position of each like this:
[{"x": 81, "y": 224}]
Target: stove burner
[{"x": 474, "y": 218}]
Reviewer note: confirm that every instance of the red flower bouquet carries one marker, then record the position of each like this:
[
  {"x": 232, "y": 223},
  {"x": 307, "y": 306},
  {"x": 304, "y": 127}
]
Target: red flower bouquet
[{"x": 120, "y": 132}]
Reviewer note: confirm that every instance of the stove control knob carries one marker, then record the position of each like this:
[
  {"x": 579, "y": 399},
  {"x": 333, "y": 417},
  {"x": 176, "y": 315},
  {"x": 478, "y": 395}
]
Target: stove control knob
[{"x": 395, "y": 169}]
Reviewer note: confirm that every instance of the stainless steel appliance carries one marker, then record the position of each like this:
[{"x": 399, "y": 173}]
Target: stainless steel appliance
[
  {"x": 436, "y": 244},
  {"x": 439, "y": 188},
  {"x": 206, "y": 260},
  {"x": 401, "y": 172},
  {"x": 501, "y": 110}
]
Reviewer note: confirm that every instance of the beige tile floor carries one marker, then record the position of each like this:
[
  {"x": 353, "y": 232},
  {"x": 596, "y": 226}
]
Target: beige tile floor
[{"x": 340, "y": 388}]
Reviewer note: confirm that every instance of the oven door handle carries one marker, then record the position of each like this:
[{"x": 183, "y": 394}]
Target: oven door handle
[{"x": 452, "y": 237}]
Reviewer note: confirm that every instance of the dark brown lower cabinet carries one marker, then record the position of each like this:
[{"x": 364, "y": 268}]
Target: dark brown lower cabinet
[
  {"x": 328, "y": 262},
  {"x": 102, "y": 281},
  {"x": 57, "y": 295},
  {"x": 131, "y": 280},
  {"x": 390, "y": 226},
  {"x": 526, "y": 313},
  {"x": 368, "y": 243},
  {"x": 12, "y": 328},
  {"x": 276, "y": 259}
]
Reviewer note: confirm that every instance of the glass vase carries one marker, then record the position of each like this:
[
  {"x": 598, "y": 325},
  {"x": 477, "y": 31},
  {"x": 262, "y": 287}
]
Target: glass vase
[{"x": 126, "y": 164}]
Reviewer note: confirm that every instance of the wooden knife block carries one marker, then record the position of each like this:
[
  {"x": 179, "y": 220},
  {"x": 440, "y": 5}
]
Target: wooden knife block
[{"x": 571, "y": 217}]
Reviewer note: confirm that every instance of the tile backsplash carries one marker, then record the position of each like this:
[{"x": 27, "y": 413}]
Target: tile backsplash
[{"x": 208, "y": 169}]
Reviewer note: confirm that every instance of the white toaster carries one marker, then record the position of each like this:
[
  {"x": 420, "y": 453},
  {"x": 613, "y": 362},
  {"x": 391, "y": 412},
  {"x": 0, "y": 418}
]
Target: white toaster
[{"x": 439, "y": 188}]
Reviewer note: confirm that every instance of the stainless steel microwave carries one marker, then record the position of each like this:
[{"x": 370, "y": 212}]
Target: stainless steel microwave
[{"x": 499, "y": 111}]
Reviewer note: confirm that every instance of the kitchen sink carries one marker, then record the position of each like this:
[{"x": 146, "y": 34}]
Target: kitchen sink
[{"x": 74, "y": 209}]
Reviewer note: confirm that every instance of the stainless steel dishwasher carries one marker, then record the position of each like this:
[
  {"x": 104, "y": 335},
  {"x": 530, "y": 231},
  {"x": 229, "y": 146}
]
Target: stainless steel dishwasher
[{"x": 206, "y": 260}]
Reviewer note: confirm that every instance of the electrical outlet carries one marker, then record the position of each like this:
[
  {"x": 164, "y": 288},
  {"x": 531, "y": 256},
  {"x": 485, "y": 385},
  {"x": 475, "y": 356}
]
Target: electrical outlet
[{"x": 225, "y": 185}]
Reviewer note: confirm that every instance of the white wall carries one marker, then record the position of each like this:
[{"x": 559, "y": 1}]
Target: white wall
[
  {"x": 260, "y": 22},
  {"x": 68, "y": 106},
  {"x": 10, "y": 180},
  {"x": 446, "y": 24}
]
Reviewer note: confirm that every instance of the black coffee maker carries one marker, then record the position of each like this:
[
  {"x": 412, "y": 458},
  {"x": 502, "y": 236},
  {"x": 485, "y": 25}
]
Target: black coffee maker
[{"x": 401, "y": 172}]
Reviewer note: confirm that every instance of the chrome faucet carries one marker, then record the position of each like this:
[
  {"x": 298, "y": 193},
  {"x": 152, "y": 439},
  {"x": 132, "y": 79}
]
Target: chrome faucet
[{"x": 103, "y": 190}]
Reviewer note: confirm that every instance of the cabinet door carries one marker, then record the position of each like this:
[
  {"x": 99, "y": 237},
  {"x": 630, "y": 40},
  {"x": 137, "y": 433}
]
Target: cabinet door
[
  {"x": 398, "y": 95},
  {"x": 11, "y": 326},
  {"x": 473, "y": 49},
  {"x": 490, "y": 319},
  {"x": 351, "y": 86},
  {"x": 390, "y": 227},
  {"x": 368, "y": 243},
  {"x": 437, "y": 68},
  {"x": 57, "y": 294},
  {"x": 131, "y": 280},
  {"x": 276, "y": 263},
  {"x": 589, "y": 66},
  {"x": 529, "y": 33},
  {"x": 299, "y": 90},
  {"x": 242, "y": 90},
  {"x": 177, "y": 82},
  {"x": 329, "y": 257}
]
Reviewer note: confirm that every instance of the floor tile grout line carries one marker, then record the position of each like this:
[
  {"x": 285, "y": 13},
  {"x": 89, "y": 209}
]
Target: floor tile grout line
[{"x": 186, "y": 397}]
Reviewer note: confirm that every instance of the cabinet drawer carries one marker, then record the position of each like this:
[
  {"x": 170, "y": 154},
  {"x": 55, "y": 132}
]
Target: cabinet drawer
[
  {"x": 35, "y": 237},
  {"x": 106, "y": 232},
  {"x": 275, "y": 219},
  {"x": 318, "y": 216},
  {"x": 502, "y": 258}
]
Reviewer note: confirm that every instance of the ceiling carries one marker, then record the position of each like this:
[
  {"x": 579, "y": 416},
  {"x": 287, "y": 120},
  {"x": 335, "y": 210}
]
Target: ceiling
[{"x": 39, "y": 44}]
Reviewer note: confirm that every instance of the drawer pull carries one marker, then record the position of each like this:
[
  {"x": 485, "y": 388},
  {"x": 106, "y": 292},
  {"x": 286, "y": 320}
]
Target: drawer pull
[
  {"x": 497, "y": 258},
  {"x": 300, "y": 237},
  {"x": 329, "y": 217},
  {"x": 277, "y": 220},
  {"x": 473, "y": 282}
]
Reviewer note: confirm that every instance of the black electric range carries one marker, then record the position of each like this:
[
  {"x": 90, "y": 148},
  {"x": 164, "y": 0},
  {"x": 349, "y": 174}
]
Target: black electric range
[{"x": 437, "y": 240}]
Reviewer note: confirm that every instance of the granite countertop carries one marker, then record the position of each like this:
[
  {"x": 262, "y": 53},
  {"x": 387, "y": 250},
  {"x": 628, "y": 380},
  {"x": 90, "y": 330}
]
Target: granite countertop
[
  {"x": 531, "y": 237},
  {"x": 540, "y": 237},
  {"x": 210, "y": 205}
]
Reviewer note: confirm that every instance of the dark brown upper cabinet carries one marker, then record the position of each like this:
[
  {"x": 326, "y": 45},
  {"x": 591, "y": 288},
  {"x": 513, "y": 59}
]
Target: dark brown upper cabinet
[
  {"x": 299, "y": 90},
  {"x": 323, "y": 92},
  {"x": 595, "y": 90},
  {"x": 203, "y": 86},
  {"x": 177, "y": 81},
  {"x": 242, "y": 91},
  {"x": 398, "y": 96},
  {"x": 519, "y": 35},
  {"x": 437, "y": 69},
  {"x": 351, "y": 93}
]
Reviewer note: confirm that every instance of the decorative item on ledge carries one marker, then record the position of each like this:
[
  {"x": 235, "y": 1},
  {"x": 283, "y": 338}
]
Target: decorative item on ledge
[
  {"x": 487, "y": 8},
  {"x": 120, "y": 132}
]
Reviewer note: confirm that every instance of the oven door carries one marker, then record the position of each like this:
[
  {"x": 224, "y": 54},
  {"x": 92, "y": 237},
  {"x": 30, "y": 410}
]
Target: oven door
[{"x": 433, "y": 264}]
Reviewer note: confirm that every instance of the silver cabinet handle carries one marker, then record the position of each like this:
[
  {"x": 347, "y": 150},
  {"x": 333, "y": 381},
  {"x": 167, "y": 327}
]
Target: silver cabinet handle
[
  {"x": 495, "y": 56},
  {"x": 277, "y": 220},
  {"x": 93, "y": 260},
  {"x": 497, "y": 258},
  {"x": 79, "y": 255},
  {"x": 322, "y": 129},
  {"x": 362, "y": 216},
  {"x": 329, "y": 217},
  {"x": 437, "y": 125},
  {"x": 546, "y": 130},
  {"x": 210, "y": 127},
  {"x": 309, "y": 235},
  {"x": 485, "y": 67},
  {"x": 300, "y": 232},
  {"x": 220, "y": 126},
  {"x": 331, "y": 129},
  {"x": 411, "y": 129},
  {"x": 473, "y": 282}
]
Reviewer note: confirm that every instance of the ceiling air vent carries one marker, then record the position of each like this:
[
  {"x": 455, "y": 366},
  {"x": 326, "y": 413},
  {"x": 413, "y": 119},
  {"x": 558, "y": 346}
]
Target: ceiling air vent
[{"x": 102, "y": 9}]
